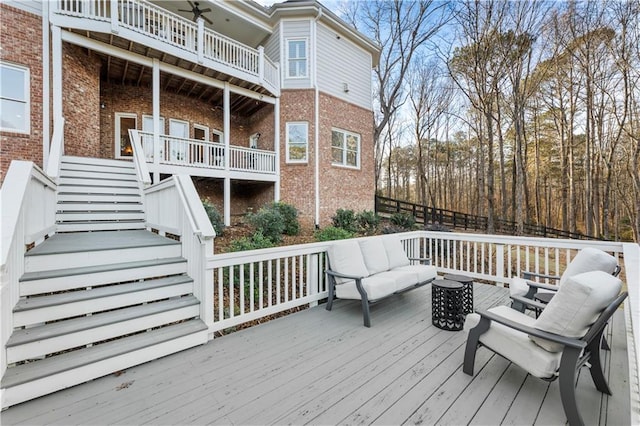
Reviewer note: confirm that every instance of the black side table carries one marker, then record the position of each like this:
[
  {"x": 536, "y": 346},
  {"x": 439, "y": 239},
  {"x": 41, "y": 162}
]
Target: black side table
[
  {"x": 447, "y": 304},
  {"x": 468, "y": 290}
]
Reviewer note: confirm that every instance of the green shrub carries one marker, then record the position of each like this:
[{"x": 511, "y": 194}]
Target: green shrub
[
  {"x": 331, "y": 233},
  {"x": 214, "y": 217},
  {"x": 254, "y": 242},
  {"x": 368, "y": 222},
  {"x": 345, "y": 219},
  {"x": 403, "y": 220},
  {"x": 268, "y": 222},
  {"x": 289, "y": 216}
]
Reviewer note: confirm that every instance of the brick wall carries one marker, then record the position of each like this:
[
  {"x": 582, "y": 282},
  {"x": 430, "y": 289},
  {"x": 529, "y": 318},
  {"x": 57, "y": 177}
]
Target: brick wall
[
  {"x": 245, "y": 196},
  {"x": 81, "y": 101},
  {"x": 21, "y": 44}
]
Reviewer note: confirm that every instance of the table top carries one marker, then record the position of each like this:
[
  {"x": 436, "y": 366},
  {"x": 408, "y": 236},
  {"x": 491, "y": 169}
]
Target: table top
[
  {"x": 459, "y": 278},
  {"x": 544, "y": 297},
  {"x": 447, "y": 284}
]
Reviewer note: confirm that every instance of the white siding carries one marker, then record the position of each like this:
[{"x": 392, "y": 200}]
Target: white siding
[
  {"x": 31, "y": 6},
  {"x": 298, "y": 29},
  {"x": 272, "y": 45},
  {"x": 341, "y": 62}
]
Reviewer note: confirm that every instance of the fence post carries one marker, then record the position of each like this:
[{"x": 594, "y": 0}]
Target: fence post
[{"x": 313, "y": 276}]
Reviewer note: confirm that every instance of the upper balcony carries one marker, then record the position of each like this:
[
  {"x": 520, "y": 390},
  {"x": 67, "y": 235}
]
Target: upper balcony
[{"x": 146, "y": 24}]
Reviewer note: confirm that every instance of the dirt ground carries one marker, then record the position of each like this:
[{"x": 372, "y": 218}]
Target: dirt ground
[{"x": 222, "y": 243}]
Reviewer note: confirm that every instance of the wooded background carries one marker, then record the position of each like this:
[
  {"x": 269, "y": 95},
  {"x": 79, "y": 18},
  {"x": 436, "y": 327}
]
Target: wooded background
[{"x": 521, "y": 110}]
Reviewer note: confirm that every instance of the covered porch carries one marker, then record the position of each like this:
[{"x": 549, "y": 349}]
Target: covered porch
[{"x": 320, "y": 367}]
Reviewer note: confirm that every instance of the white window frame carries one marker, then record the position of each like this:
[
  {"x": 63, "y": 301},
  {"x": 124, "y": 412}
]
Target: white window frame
[
  {"x": 203, "y": 128},
  {"x": 306, "y": 142},
  {"x": 305, "y": 58},
  {"x": 346, "y": 133},
  {"x": 178, "y": 150},
  {"x": 150, "y": 117},
  {"x": 27, "y": 101},
  {"x": 148, "y": 147},
  {"x": 116, "y": 135},
  {"x": 219, "y": 133}
]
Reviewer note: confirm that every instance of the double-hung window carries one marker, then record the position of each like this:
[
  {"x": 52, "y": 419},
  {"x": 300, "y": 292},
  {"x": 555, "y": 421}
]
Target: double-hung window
[
  {"x": 296, "y": 58},
  {"x": 345, "y": 148},
  {"x": 297, "y": 142},
  {"x": 14, "y": 98}
]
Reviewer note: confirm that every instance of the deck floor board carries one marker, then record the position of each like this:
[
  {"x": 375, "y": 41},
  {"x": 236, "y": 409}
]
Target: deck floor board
[{"x": 319, "y": 367}]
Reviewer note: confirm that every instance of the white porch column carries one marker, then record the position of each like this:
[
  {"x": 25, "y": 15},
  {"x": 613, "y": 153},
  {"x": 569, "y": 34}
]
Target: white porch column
[
  {"x": 56, "y": 42},
  {"x": 156, "y": 119},
  {"x": 46, "y": 113},
  {"x": 226, "y": 128},
  {"x": 276, "y": 147}
]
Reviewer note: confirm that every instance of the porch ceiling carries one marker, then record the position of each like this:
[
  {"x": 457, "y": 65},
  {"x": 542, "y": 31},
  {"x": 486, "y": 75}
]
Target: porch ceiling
[{"x": 130, "y": 73}]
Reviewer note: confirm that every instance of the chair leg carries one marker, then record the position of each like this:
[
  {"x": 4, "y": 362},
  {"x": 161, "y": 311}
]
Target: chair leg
[
  {"x": 331, "y": 293},
  {"x": 472, "y": 345},
  {"x": 518, "y": 306},
  {"x": 365, "y": 312},
  {"x": 567, "y": 379},
  {"x": 596, "y": 368}
]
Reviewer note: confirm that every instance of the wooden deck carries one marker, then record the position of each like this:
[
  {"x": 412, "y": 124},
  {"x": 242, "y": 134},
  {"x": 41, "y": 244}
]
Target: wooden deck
[{"x": 319, "y": 367}]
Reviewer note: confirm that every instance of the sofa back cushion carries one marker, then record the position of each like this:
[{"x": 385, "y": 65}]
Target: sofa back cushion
[
  {"x": 577, "y": 305},
  {"x": 374, "y": 254},
  {"x": 589, "y": 259},
  {"x": 395, "y": 252},
  {"x": 345, "y": 257}
]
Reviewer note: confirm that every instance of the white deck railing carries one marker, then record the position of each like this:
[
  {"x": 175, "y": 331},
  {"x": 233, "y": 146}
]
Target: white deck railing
[
  {"x": 172, "y": 206},
  {"x": 174, "y": 30},
  {"x": 251, "y": 285},
  {"x": 28, "y": 202},
  {"x": 196, "y": 153}
]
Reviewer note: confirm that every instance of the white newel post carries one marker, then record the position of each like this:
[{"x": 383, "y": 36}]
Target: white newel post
[
  {"x": 499, "y": 272},
  {"x": 114, "y": 16},
  {"x": 313, "y": 277},
  {"x": 200, "y": 41},
  {"x": 156, "y": 120}
]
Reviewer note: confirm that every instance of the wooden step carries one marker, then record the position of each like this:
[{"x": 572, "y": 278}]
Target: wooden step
[
  {"x": 91, "y": 276},
  {"x": 40, "y": 309},
  {"x": 99, "y": 226},
  {"x": 69, "y": 159},
  {"x": 92, "y": 174},
  {"x": 28, "y": 381},
  {"x": 86, "y": 189},
  {"x": 91, "y": 168},
  {"x": 99, "y": 207},
  {"x": 99, "y": 198},
  {"x": 78, "y": 216},
  {"x": 64, "y": 251},
  {"x": 31, "y": 343},
  {"x": 111, "y": 181}
]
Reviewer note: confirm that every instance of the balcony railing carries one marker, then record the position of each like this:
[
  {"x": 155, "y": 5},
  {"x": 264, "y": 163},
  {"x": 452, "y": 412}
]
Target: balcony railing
[
  {"x": 190, "y": 37},
  {"x": 196, "y": 153}
]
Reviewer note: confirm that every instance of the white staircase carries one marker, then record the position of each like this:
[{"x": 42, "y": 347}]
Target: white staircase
[{"x": 102, "y": 294}]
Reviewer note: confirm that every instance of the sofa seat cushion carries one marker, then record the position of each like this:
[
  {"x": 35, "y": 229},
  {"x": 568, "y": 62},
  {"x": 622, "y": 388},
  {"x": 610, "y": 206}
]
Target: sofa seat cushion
[
  {"x": 374, "y": 254},
  {"x": 377, "y": 286},
  {"x": 515, "y": 345},
  {"x": 576, "y": 306},
  {"x": 346, "y": 258},
  {"x": 395, "y": 252},
  {"x": 422, "y": 274}
]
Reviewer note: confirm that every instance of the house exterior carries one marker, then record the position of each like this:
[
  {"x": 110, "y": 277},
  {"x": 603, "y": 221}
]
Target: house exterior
[{"x": 255, "y": 104}]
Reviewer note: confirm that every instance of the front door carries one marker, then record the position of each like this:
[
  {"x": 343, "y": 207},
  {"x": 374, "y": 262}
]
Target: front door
[
  {"x": 124, "y": 122},
  {"x": 178, "y": 146}
]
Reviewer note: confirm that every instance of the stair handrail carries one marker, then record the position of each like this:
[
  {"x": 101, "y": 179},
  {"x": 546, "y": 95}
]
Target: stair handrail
[
  {"x": 27, "y": 204},
  {"x": 139, "y": 158},
  {"x": 56, "y": 150}
]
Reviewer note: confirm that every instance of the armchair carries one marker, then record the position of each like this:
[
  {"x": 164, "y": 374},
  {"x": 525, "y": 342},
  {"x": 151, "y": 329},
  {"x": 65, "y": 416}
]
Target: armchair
[
  {"x": 563, "y": 339},
  {"x": 587, "y": 259}
]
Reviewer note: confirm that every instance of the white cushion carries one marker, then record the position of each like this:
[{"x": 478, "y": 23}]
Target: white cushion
[
  {"x": 374, "y": 254},
  {"x": 518, "y": 286},
  {"x": 515, "y": 345},
  {"x": 395, "y": 251},
  {"x": 345, "y": 257},
  {"x": 589, "y": 259},
  {"x": 377, "y": 286},
  {"x": 421, "y": 273},
  {"x": 576, "y": 306}
]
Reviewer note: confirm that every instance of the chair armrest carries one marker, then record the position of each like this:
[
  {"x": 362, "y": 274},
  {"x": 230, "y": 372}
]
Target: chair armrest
[
  {"x": 542, "y": 286},
  {"x": 563, "y": 340},
  {"x": 339, "y": 275},
  {"x": 422, "y": 260},
  {"x": 532, "y": 304},
  {"x": 529, "y": 275}
]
